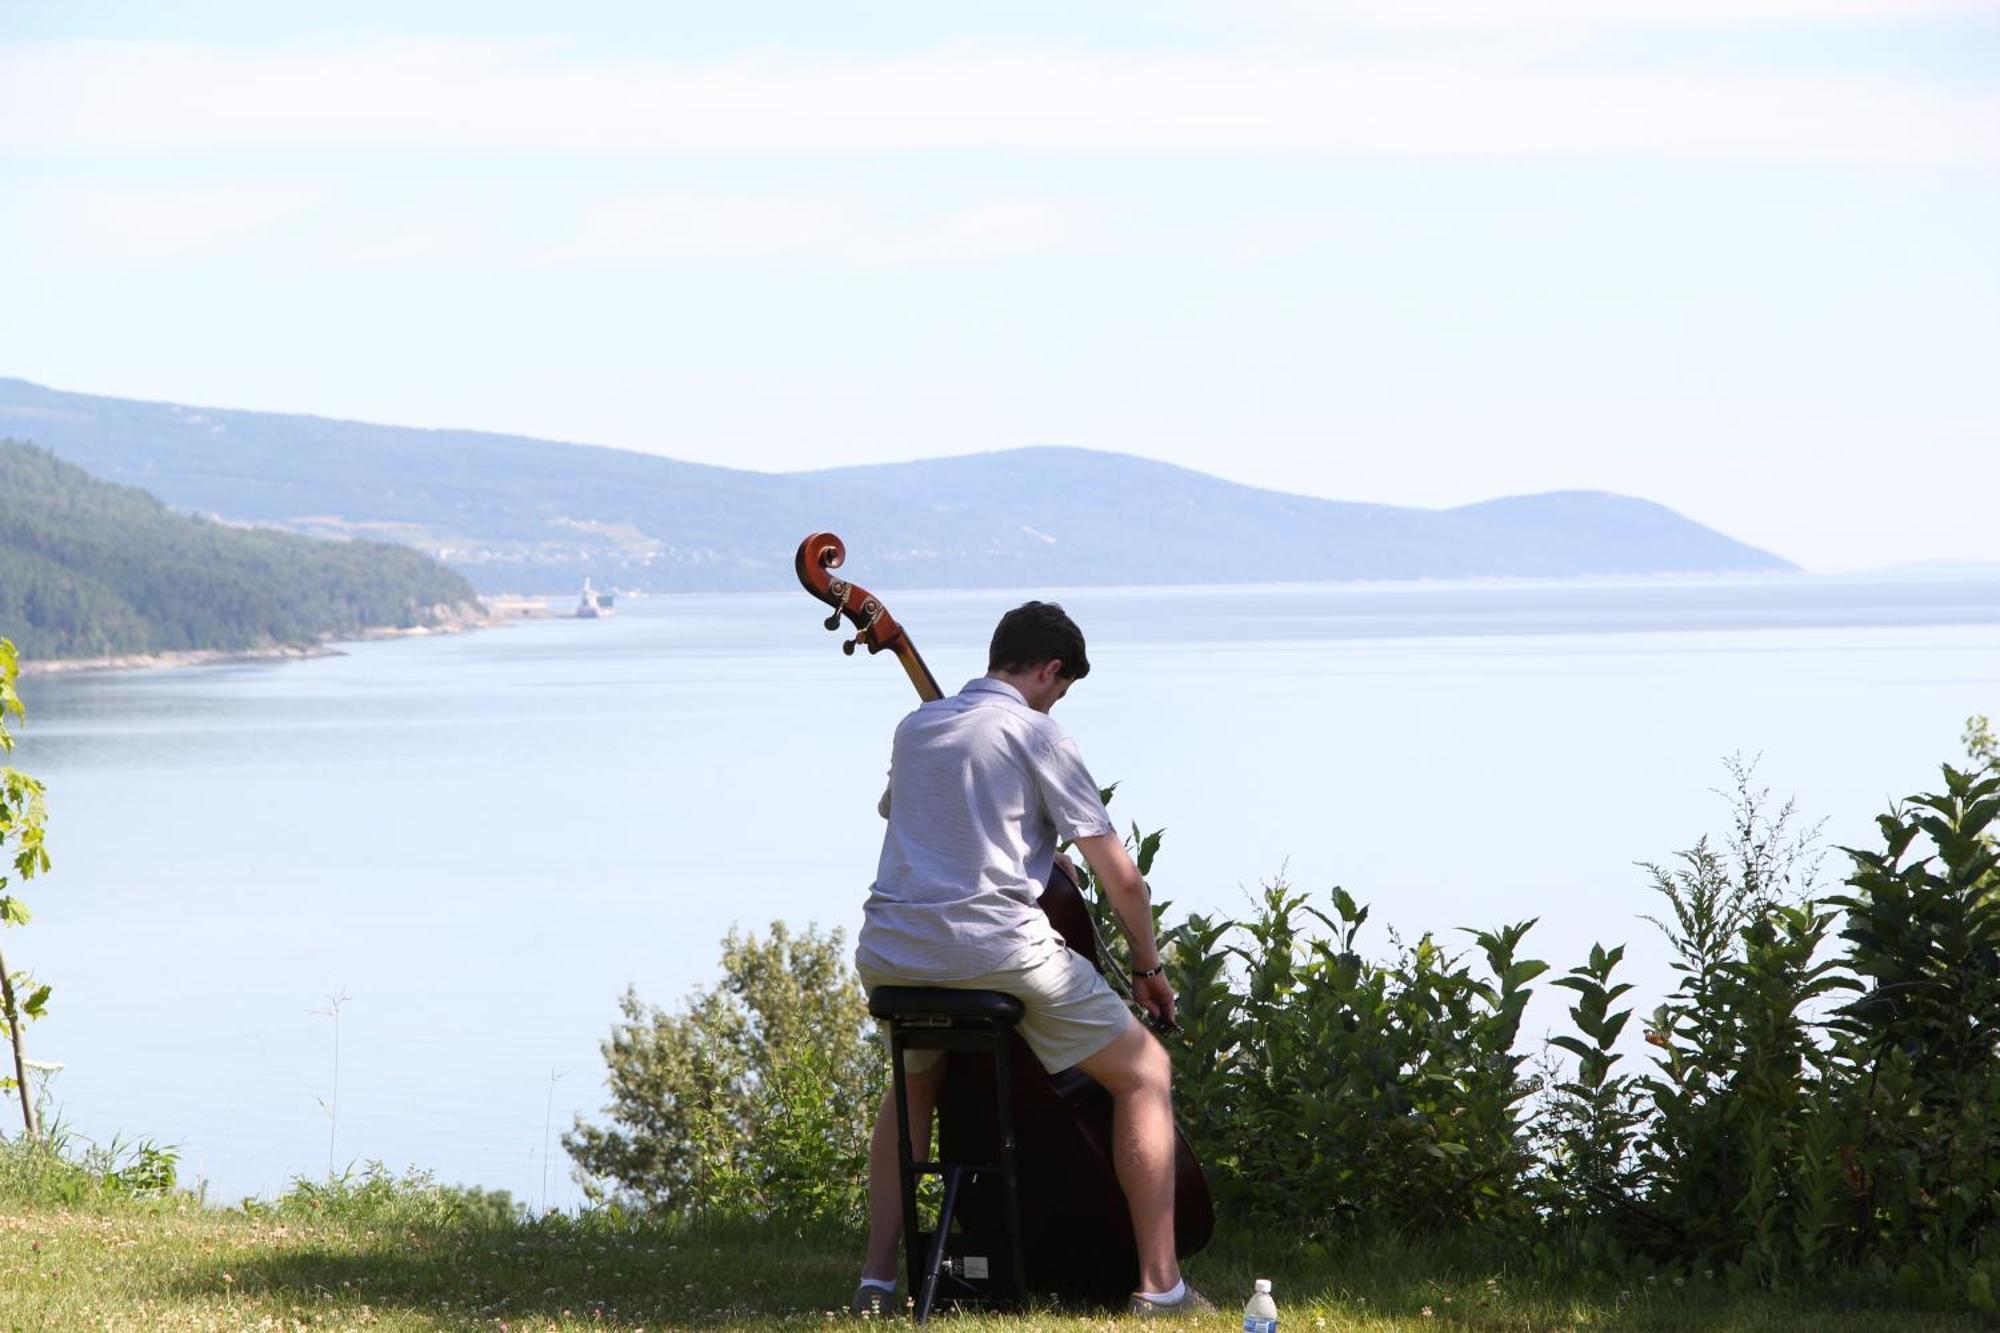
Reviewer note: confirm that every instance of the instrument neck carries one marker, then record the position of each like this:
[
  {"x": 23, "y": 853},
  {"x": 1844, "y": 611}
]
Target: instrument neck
[{"x": 913, "y": 666}]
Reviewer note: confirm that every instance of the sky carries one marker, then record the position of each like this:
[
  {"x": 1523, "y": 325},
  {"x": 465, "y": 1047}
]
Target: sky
[{"x": 1741, "y": 257}]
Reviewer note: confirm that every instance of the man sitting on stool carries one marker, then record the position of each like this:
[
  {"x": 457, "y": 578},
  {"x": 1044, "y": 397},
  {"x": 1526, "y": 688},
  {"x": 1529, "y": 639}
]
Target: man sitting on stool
[{"x": 982, "y": 785}]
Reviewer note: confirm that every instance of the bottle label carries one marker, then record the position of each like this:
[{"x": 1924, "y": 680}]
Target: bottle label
[{"x": 1258, "y": 1324}]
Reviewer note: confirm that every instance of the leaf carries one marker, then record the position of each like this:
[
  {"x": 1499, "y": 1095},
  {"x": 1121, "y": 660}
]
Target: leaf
[
  {"x": 1573, "y": 1046},
  {"x": 36, "y": 1004},
  {"x": 1149, "y": 847},
  {"x": 13, "y": 911}
]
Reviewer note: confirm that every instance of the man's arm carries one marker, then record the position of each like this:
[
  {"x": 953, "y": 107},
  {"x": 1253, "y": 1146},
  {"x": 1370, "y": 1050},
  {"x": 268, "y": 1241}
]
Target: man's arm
[{"x": 1108, "y": 861}]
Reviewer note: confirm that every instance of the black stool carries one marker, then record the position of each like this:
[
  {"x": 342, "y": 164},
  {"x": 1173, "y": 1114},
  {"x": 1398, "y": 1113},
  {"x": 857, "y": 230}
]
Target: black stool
[{"x": 978, "y": 1268}]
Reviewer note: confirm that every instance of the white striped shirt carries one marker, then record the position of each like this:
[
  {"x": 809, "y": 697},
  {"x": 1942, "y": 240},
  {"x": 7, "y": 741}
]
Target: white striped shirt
[{"x": 981, "y": 789}]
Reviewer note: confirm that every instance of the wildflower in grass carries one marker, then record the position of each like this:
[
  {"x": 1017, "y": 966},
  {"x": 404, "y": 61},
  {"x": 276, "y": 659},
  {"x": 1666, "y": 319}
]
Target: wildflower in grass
[{"x": 1427, "y": 1312}]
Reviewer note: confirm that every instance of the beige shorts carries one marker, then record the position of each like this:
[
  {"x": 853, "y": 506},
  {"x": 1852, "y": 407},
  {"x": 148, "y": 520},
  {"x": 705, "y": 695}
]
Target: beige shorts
[{"x": 1071, "y": 1013}]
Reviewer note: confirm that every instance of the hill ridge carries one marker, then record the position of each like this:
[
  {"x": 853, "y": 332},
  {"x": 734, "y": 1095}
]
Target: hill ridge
[{"x": 526, "y": 514}]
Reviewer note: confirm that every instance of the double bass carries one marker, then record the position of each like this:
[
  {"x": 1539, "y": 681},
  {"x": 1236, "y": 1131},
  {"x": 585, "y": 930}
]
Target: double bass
[{"x": 1076, "y": 1230}]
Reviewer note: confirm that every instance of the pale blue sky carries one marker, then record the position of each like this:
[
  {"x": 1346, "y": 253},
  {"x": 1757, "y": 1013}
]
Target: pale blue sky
[{"x": 1738, "y": 257}]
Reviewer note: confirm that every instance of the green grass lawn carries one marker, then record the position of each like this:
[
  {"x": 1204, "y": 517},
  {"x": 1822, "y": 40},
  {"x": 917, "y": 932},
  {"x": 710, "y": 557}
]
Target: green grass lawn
[{"x": 168, "y": 1265}]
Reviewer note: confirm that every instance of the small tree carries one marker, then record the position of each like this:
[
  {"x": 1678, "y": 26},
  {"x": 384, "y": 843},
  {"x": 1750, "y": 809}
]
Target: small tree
[
  {"x": 22, "y": 815},
  {"x": 755, "y": 1098},
  {"x": 1981, "y": 744}
]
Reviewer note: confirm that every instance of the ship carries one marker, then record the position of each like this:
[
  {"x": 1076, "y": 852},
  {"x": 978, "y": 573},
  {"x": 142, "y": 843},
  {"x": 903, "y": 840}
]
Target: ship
[{"x": 593, "y": 603}]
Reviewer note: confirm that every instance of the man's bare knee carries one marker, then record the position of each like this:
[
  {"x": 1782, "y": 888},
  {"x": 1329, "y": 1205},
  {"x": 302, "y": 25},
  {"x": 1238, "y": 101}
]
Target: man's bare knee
[{"x": 1133, "y": 1062}]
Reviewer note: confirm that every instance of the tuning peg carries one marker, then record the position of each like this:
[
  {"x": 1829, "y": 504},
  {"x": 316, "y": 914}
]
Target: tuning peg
[
  {"x": 833, "y": 621},
  {"x": 847, "y": 645}
]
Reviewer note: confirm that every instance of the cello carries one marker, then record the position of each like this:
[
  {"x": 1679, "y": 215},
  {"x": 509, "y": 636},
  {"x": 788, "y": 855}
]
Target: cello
[{"x": 1077, "y": 1239}]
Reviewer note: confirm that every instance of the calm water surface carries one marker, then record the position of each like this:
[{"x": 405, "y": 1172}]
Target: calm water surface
[{"x": 481, "y": 841}]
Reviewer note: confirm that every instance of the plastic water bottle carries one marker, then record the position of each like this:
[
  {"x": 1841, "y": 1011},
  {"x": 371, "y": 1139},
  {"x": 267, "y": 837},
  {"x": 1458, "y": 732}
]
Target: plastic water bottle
[{"x": 1261, "y": 1314}]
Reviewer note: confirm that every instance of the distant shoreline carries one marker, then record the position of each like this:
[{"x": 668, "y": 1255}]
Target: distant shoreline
[
  {"x": 458, "y": 623},
  {"x": 64, "y": 666}
]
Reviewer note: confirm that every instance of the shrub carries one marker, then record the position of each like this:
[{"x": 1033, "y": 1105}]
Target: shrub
[
  {"x": 1919, "y": 1052},
  {"x": 1326, "y": 1090},
  {"x": 754, "y": 1099}
]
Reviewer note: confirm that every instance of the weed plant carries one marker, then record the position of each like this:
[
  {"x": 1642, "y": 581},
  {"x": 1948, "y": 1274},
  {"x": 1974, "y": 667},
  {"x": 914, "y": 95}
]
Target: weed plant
[
  {"x": 60, "y": 1168},
  {"x": 1823, "y": 1096}
]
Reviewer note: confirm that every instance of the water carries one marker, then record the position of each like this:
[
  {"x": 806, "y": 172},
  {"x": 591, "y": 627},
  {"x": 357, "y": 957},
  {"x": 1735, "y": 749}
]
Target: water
[
  {"x": 1260, "y": 1315},
  {"x": 480, "y": 841}
]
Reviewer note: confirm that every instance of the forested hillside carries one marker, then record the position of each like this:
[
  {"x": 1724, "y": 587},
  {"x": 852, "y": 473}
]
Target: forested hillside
[
  {"x": 90, "y": 569},
  {"x": 525, "y": 515}
]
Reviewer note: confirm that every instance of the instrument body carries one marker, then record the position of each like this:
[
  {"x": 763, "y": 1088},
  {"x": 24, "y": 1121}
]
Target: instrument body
[{"x": 1076, "y": 1227}]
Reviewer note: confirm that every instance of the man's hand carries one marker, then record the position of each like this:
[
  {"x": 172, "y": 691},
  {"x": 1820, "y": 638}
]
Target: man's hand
[
  {"x": 1131, "y": 901},
  {"x": 1157, "y": 998}
]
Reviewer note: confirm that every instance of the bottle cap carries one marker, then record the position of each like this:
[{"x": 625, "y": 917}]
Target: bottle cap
[{"x": 1263, "y": 1286}]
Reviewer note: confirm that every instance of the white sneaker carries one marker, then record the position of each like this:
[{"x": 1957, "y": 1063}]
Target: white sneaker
[{"x": 1191, "y": 1302}]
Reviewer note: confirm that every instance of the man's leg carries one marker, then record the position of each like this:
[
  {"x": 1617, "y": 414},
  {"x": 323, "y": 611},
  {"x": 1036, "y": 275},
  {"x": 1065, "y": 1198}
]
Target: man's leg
[
  {"x": 885, "y": 1181},
  {"x": 1135, "y": 1070}
]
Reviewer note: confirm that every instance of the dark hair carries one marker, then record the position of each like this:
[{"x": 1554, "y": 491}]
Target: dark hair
[{"x": 1034, "y": 633}]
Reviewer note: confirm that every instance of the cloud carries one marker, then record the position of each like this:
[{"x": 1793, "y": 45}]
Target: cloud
[
  {"x": 1495, "y": 15},
  {"x": 673, "y": 225},
  {"x": 174, "y": 98},
  {"x": 120, "y": 224},
  {"x": 447, "y": 225}
]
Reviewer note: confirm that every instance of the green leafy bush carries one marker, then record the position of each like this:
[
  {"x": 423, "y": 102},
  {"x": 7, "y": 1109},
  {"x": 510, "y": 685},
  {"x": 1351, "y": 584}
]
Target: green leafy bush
[
  {"x": 754, "y": 1099},
  {"x": 1918, "y": 1054},
  {"x": 1327, "y": 1089},
  {"x": 1820, "y": 1093},
  {"x": 1781, "y": 1136}
]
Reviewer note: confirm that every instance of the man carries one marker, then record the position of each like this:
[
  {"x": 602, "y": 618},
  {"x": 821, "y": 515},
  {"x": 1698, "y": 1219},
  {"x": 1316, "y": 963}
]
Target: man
[{"x": 982, "y": 786}]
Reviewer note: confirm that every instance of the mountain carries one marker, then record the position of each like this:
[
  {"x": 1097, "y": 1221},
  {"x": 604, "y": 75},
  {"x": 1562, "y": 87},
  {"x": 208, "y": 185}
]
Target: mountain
[
  {"x": 92, "y": 569},
  {"x": 513, "y": 513}
]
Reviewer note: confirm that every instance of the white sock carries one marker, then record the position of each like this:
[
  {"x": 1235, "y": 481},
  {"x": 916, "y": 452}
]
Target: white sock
[
  {"x": 887, "y": 1284},
  {"x": 1166, "y": 1297}
]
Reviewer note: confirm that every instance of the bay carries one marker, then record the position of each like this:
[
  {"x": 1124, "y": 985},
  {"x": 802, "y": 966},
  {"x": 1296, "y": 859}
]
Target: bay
[{"x": 479, "y": 841}]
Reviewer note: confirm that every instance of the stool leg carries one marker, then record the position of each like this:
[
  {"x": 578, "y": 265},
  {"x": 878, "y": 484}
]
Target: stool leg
[
  {"x": 1009, "y": 1175},
  {"x": 912, "y": 1254},
  {"x": 934, "y": 1263}
]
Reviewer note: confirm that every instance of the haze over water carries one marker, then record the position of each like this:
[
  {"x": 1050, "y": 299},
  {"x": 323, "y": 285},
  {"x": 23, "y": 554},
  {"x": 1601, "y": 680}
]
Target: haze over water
[{"x": 481, "y": 840}]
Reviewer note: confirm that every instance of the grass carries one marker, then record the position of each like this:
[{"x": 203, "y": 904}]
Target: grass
[
  {"x": 93, "y": 1241},
  {"x": 406, "y": 1259}
]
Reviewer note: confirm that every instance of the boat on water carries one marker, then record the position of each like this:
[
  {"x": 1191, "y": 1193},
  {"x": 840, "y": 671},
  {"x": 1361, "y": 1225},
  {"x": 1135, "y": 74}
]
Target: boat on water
[{"x": 593, "y": 603}]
